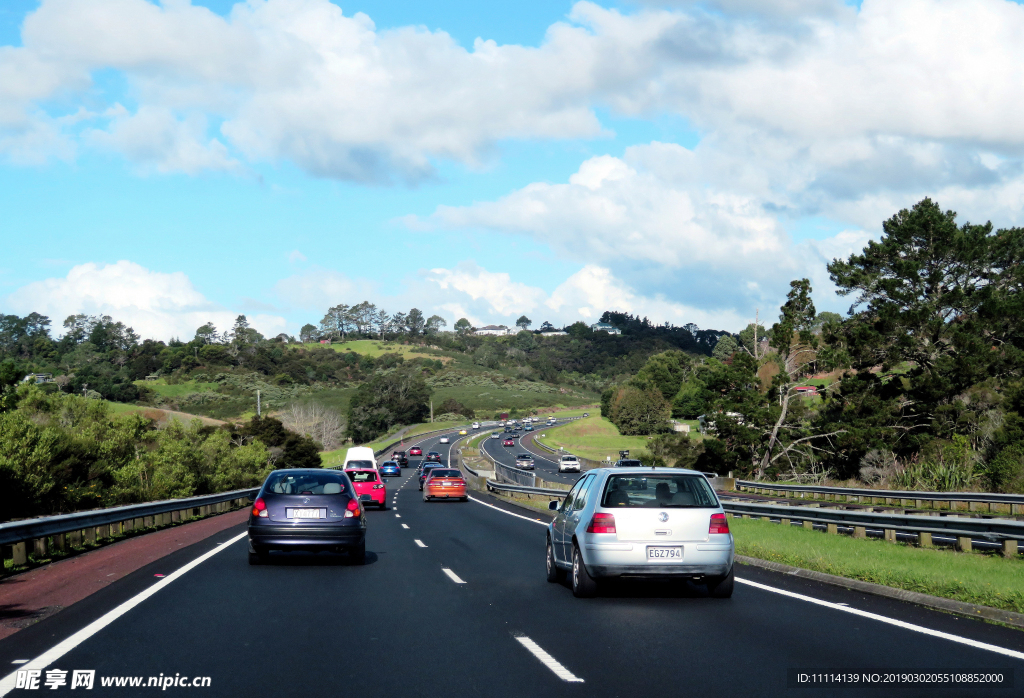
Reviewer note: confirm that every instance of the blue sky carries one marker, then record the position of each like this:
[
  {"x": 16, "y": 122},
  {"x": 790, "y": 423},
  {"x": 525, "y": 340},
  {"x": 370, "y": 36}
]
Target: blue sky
[{"x": 169, "y": 164}]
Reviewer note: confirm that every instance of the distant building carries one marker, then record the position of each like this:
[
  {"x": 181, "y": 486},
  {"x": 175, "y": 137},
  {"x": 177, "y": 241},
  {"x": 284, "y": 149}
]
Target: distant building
[
  {"x": 38, "y": 378},
  {"x": 605, "y": 326},
  {"x": 553, "y": 333},
  {"x": 492, "y": 330}
]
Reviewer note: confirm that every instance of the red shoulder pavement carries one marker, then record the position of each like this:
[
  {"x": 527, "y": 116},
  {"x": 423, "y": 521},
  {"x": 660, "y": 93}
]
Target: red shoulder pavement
[{"x": 29, "y": 597}]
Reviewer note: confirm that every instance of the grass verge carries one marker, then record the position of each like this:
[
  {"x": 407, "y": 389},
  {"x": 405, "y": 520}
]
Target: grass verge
[
  {"x": 593, "y": 437},
  {"x": 978, "y": 578}
]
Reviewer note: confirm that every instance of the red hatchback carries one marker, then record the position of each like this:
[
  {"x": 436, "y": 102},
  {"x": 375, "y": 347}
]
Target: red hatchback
[
  {"x": 508, "y": 442},
  {"x": 369, "y": 487},
  {"x": 415, "y": 451}
]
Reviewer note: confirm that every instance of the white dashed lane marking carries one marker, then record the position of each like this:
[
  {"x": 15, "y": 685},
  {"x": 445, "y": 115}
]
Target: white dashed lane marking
[
  {"x": 548, "y": 661},
  {"x": 405, "y": 526},
  {"x": 420, "y": 543},
  {"x": 451, "y": 575}
]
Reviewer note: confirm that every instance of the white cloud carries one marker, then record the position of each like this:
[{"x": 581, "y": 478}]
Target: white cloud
[
  {"x": 157, "y": 305},
  {"x": 503, "y": 296},
  {"x": 319, "y": 288}
]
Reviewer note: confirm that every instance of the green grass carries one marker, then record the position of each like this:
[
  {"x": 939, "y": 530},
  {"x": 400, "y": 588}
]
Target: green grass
[
  {"x": 489, "y": 401},
  {"x": 161, "y": 388},
  {"x": 594, "y": 437},
  {"x": 979, "y": 578},
  {"x": 374, "y": 347}
]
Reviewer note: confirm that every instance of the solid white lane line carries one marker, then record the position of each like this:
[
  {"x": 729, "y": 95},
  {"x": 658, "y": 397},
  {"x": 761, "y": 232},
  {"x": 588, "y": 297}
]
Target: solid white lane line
[
  {"x": 451, "y": 575},
  {"x": 548, "y": 661},
  {"x": 419, "y": 542},
  {"x": 50, "y": 656},
  {"x": 20, "y": 661},
  {"x": 891, "y": 621},
  {"x": 405, "y": 526},
  {"x": 518, "y": 516}
]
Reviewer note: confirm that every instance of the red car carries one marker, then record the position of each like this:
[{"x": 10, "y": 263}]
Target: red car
[
  {"x": 508, "y": 442},
  {"x": 415, "y": 451},
  {"x": 445, "y": 483},
  {"x": 369, "y": 487}
]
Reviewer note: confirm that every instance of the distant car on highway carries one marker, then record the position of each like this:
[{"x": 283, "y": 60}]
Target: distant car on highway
[
  {"x": 359, "y": 457},
  {"x": 444, "y": 483},
  {"x": 627, "y": 463},
  {"x": 415, "y": 451},
  {"x": 662, "y": 523},
  {"x": 307, "y": 509},
  {"x": 369, "y": 486},
  {"x": 508, "y": 442},
  {"x": 425, "y": 471},
  {"x": 476, "y": 425},
  {"x": 462, "y": 432},
  {"x": 400, "y": 458},
  {"x": 390, "y": 468},
  {"x": 586, "y": 414},
  {"x": 495, "y": 435},
  {"x": 443, "y": 440},
  {"x": 433, "y": 457},
  {"x": 524, "y": 461},
  {"x": 568, "y": 464},
  {"x": 528, "y": 427}
]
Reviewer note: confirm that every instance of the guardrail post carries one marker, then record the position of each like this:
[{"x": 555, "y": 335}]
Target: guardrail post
[
  {"x": 76, "y": 539},
  {"x": 19, "y": 554},
  {"x": 138, "y": 523},
  {"x": 784, "y": 522},
  {"x": 128, "y": 525},
  {"x": 831, "y": 528},
  {"x": 1009, "y": 547},
  {"x": 1017, "y": 508},
  {"x": 924, "y": 540},
  {"x": 860, "y": 532},
  {"x": 963, "y": 543},
  {"x": 90, "y": 534},
  {"x": 39, "y": 547},
  {"x": 809, "y": 525},
  {"x": 957, "y": 506},
  {"x": 890, "y": 535},
  {"x": 60, "y": 542},
  {"x": 147, "y": 521}
]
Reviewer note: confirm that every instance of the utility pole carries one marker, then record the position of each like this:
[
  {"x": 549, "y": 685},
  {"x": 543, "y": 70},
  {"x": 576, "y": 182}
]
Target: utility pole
[{"x": 257, "y": 403}]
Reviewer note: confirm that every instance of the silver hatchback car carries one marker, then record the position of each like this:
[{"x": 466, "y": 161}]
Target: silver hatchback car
[{"x": 641, "y": 523}]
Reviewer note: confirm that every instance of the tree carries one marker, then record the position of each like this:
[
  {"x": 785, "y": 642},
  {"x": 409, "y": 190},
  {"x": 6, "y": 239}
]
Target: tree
[
  {"x": 638, "y": 412},
  {"x": 665, "y": 372},
  {"x": 546, "y": 326},
  {"x": 523, "y": 322},
  {"x": 725, "y": 347},
  {"x": 207, "y": 334},
  {"x": 463, "y": 326},
  {"x": 414, "y": 320},
  {"x": 398, "y": 397},
  {"x": 435, "y": 323},
  {"x": 308, "y": 333},
  {"x": 793, "y": 335}
]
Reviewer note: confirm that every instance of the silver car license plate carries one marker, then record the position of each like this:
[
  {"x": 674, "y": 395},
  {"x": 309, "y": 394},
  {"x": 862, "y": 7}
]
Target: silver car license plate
[
  {"x": 304, "y": 513},
  {"x": 659, "y": 552}
]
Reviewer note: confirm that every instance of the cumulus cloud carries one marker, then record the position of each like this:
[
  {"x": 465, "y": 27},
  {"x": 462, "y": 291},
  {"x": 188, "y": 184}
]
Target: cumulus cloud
[{"x": 157, "y": 305}]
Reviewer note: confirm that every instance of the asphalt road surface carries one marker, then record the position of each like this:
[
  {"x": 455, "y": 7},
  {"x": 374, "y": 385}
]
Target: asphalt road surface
[{"x": 453, "y": 602}]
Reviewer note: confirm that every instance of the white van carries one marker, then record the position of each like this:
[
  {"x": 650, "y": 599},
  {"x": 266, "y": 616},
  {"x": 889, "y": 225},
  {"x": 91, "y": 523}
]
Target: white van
[{"x": 360, "y": 457}]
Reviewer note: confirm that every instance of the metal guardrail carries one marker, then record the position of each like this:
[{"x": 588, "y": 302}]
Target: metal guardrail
[
  {"x": 1002, "y": 531},
  {"x": 514, "y": 475},
  {"x": 124, "y": 518},
  {"x": 522, "y": 489},
  {"x": 1016, "y": 501}
]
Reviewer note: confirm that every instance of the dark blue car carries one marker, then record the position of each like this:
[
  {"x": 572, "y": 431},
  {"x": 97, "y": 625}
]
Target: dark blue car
[{"x": 390, "y": 468}]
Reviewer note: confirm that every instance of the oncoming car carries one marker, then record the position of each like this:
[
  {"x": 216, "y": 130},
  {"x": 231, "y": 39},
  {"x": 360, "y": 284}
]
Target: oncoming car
[
  {"x": 524, "y": 461},
  {"x": 443, "y": 440},
  {"x": 390, "y": 468},
  {"x": 641, "y": 523},
  {"x": 369, "y": 487},
  {"x": 444, "y": 483},
  {"x": 306, "y": 509}
]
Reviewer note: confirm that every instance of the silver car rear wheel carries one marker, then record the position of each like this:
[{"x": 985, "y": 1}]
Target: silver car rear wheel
[
  {"x": 583, "y": 585},
  {"x": 555, "y": 575}
]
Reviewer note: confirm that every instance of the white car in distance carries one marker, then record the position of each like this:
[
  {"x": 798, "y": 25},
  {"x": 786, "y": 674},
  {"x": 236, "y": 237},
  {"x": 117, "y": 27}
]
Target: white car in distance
[
  {"x": 476, "y": 425},
  {"x": 568, "y": 464},
  {"x": 443, "y": 440}
]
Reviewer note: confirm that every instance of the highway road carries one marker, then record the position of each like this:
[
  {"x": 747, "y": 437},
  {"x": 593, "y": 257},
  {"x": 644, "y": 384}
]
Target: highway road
[
  {"x": 453, "y": 602},
  {"x": 545, "y": 466}
]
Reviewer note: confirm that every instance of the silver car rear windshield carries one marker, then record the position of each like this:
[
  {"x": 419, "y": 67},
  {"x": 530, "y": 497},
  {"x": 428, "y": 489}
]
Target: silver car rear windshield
[
  {"x": 658, "y": 490},
  {"x": 305, "y": 483}
]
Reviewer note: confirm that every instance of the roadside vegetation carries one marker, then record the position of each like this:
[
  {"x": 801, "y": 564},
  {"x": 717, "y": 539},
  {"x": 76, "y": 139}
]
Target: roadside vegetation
[{"x": 979, "y": 578}]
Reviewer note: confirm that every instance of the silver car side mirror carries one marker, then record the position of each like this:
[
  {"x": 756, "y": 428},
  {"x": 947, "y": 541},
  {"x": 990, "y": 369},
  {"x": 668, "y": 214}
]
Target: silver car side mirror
[{"x": 553, "y": 505}]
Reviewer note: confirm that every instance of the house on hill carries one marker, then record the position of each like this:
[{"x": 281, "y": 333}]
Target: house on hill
[
  {"x": 606, "y": 327},
  {"x": 492, "y": 330}
]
